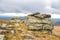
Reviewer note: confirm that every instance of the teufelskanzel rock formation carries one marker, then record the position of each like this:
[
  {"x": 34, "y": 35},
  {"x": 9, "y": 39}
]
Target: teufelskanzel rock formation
[{"x": 35, "y": 26}]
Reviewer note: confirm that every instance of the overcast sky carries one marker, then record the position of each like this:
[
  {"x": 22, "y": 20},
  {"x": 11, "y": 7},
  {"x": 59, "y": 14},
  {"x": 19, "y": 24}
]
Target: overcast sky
[
  {"x": 30, "y": 6},
  {"x": 26, "y": 6}
]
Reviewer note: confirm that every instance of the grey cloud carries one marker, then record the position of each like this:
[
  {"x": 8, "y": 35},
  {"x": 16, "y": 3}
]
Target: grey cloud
[
  {"x": 17, "y": 6},
  {"x": 56, "y": 4},
  {"x": 9, "y": 6},
  {"x": 20, "y": 6}
]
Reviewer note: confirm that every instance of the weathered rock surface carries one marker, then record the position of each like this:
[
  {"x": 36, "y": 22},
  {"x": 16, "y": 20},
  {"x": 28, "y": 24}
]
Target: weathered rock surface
[{"x": 39, "y": 21}]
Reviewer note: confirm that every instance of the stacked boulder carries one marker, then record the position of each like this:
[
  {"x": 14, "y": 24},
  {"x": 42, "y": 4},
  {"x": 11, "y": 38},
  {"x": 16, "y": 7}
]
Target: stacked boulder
[{"x": 37, "y": 22}]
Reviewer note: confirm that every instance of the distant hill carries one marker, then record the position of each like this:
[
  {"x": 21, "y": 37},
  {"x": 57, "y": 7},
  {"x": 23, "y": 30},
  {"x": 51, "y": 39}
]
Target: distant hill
[
  {"x": 56, "y": 22},
  {"x": 8, "y": 17}
]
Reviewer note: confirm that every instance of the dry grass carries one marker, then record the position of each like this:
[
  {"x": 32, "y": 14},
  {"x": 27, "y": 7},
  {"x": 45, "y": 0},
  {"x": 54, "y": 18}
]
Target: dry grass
[
  {"x": 36, "y": 35},
  {"x": 56, "y": 30}
]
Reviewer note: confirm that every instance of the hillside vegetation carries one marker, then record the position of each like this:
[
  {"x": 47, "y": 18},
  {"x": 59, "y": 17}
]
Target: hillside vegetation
[{"x": 22, "y": 33}]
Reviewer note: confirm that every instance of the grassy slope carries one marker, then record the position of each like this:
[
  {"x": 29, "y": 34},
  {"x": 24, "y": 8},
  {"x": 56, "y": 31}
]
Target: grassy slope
[
  {"x": 56, "y": 30},
  {"x": 36, "y": 35}
]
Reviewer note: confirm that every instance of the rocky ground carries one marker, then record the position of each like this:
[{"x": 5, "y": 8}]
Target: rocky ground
[
  {"x": 22, "y": 33},
  {"x": 37, "y": 35}
]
